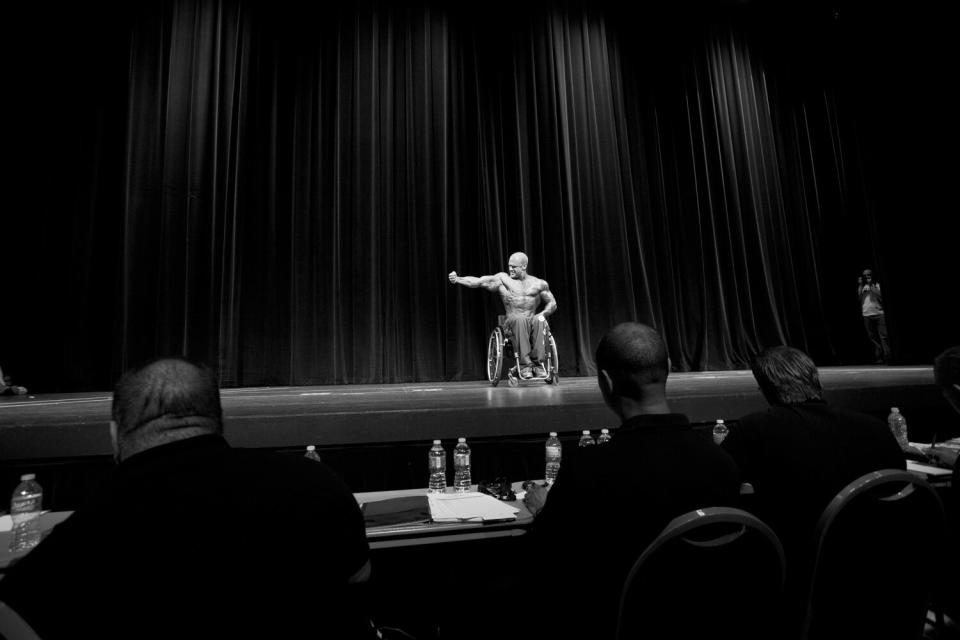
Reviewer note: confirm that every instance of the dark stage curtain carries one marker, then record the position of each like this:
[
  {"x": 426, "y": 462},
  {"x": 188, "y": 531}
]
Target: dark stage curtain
[{"x": 281, "y": 191}]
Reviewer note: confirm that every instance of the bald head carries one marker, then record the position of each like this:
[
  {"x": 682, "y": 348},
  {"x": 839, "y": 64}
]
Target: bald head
[
  {"x": 162, "y": 401},
  {"x": 634, "y": 357},
  {"x": 517, "y": 265},
  {"x": 520, "y": 259}
]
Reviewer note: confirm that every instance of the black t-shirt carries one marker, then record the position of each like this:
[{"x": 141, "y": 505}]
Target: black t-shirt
[
  {"x": 198, "y": 539},
  {"x": 798, "y": 457},
  {"x": 608, "y": 504}
]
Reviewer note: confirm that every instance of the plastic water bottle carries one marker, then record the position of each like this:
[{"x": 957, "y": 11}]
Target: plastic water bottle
[
  {"x": 461, "y": 466},
  {"x": 586, "y": 439},
  {"x": 720, "y": 432},
  {"x": 554, "y": 451},
  {"x": 25, "y": 508},
  {"x": 312, "y": 454},
  {"x": 604, "y": 436},
  {"x": 898, "y": 425},
  {"x": 438, "y": 468}
]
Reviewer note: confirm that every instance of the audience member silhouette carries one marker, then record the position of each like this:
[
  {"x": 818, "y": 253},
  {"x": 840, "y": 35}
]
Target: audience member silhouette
[
  {"x": 192, "y": 538},
  {"x": 800, "y": 452},
  {"x": 609, "y": 502},
  {"x": 946, "y": 372}
]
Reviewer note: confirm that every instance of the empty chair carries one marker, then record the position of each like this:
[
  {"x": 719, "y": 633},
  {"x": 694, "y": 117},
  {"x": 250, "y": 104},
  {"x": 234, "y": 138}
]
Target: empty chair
[
  {"x": 872, "y": 577},
  {"x": 714, "y": 572}
]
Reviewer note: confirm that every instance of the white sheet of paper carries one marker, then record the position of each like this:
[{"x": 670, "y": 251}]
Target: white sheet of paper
[
  {"x": 927, "y": 469},
  {"x": 468, "y": 507}
]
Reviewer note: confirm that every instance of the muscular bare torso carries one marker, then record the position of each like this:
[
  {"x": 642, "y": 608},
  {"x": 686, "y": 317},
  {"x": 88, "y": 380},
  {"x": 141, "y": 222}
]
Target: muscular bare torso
[{"x": 521, "y": 297}]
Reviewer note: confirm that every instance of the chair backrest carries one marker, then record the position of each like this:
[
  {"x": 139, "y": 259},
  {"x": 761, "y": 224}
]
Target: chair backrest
[
  {"x": 14, "y": 627},
  {"x": 711, "y": 572},
  {"x": 873, "y": 574}
]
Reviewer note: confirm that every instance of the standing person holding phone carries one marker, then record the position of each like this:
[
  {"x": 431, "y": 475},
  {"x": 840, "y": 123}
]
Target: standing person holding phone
[{"x": 871, "y": 306}]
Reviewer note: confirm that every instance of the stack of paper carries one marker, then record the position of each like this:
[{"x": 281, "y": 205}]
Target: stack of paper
[{"x": 469, "y": 507}]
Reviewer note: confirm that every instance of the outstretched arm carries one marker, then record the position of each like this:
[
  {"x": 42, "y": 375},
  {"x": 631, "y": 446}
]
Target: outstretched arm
[
  {"x": 490, "y": 283},
  {"x": 547, "y": 296}
]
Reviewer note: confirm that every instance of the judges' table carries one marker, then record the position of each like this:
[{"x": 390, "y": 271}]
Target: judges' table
[{"x": 422, "y": 532}]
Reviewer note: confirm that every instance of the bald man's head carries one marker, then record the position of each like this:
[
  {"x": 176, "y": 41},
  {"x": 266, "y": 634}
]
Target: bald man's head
[
  {"x": 165, "y": 400},
  {"x": 518, "y": 265},
  {"x": 635, "y": 358}
]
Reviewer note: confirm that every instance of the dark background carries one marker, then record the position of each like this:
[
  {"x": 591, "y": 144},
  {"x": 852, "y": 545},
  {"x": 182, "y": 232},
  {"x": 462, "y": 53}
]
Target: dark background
[{"x": 281, "y": 191}]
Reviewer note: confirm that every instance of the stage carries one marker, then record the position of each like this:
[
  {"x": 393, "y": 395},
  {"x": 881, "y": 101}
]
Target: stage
[{"x": 76, "y": 425}]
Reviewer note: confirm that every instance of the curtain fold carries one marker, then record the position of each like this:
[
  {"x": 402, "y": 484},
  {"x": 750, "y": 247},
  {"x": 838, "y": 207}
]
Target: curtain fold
[{"x": 281, "y": 191}]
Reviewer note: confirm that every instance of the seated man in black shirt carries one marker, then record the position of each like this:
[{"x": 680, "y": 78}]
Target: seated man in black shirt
[
  {"x": 946, "y": 373},
  {"x": 190, "y": 537},
  {"x": 800, "y": 452},
  {"x": 610, "y": 502}
]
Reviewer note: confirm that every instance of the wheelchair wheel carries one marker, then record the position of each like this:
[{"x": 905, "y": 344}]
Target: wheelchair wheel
[
  {"x": 554, "y": 363},
  {"x": 495, "y": 356}
]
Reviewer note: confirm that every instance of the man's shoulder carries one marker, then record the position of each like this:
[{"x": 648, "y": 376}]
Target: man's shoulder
[
  {"x": 852, "y": 416},
  {"x": 279, "y": 465},
  {"x": 761, "y": 418}
]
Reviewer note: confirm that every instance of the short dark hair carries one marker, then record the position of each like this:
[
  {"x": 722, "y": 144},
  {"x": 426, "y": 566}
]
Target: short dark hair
[
  {"x": 635, "y": 356},
  {"x": 787, "y": 375},
  {"x": 167, "y": 399},
  {"x": 946, "y": 367}
]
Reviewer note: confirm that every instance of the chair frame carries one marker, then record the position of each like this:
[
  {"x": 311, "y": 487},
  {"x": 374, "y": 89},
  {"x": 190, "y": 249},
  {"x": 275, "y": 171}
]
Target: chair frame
[
  {"x": 682, "y": 525},
  {"x": 865, "y": 483},
  {"x": 13, "y": 626}
]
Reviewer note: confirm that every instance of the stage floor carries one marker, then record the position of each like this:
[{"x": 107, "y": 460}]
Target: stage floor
[{"x": 72, "y": 425}]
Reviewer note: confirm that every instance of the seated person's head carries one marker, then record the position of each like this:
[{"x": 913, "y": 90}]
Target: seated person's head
[
  {"x": 162, "y": 401},
  {"x": 787, "y": 376},
  {"x": 946, "y": 373},
  {"x": 632, "y": 363}
]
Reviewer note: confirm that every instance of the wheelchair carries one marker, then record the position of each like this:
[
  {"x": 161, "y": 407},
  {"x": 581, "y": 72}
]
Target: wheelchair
[{"x": 500, "y": 351}]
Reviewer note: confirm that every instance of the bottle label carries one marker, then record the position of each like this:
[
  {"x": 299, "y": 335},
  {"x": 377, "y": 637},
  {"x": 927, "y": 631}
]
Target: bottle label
[
  {"x": 553, "y": 451},
  {"x": 436, "y": 464},
  {"x": 24, "y": 505},
  {"x": 462, "y": 459}
]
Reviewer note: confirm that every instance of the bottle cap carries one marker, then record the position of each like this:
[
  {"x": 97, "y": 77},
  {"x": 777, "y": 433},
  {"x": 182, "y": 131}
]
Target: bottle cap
[
  {"x": 719, "y": 421},
  {"x": 553, "y": 434},
  {"x": 311, "y": 447},
  {"x": 461, "y": 439},
  {"x": 28, "y": 476},
  {"x": 436, "y": 442},
  {"x": 604, "y": 430},
  {"x": 586, "y": 432},
  {"x": 894, "y": 410}
]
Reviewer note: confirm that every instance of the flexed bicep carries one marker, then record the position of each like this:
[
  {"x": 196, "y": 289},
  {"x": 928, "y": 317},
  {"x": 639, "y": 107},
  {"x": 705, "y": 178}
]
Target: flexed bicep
[{"x": 550, "y": 302}]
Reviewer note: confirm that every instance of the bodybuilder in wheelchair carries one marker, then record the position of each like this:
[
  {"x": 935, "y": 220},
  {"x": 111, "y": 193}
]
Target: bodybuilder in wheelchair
[{"x": 522, "y": 335}]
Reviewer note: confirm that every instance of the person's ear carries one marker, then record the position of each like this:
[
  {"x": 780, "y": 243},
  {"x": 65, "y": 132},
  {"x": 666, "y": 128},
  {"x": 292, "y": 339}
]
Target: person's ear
[{"x": 606, "y": 383}]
